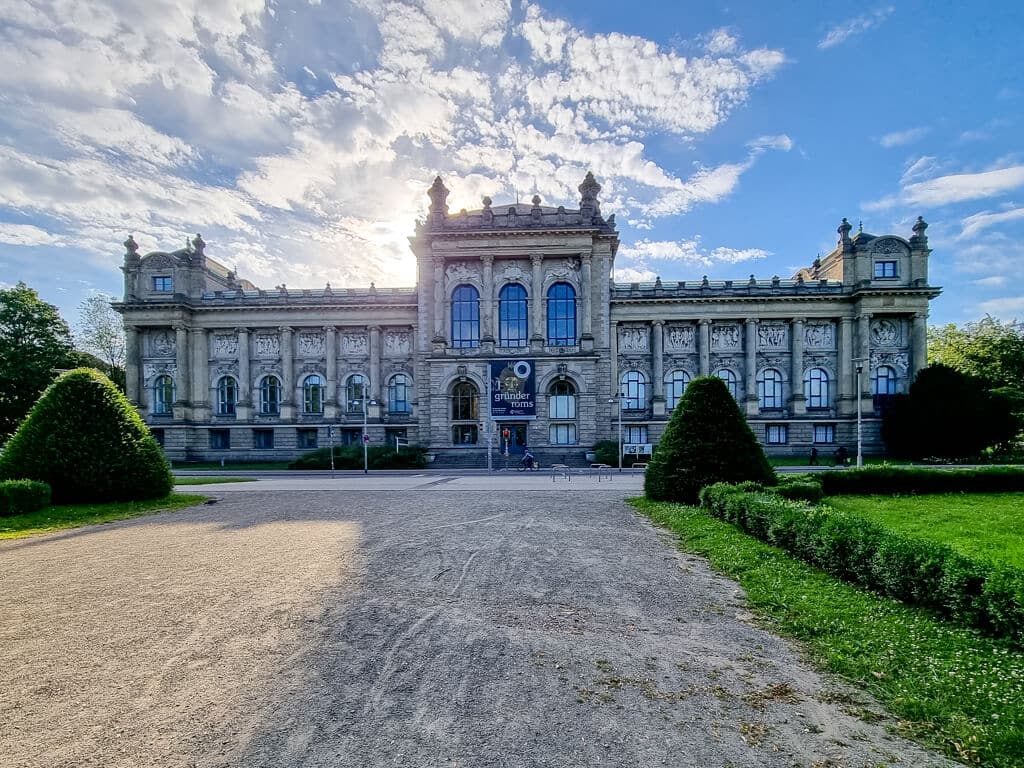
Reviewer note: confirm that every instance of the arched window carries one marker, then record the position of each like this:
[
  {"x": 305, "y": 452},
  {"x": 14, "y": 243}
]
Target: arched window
[
  {"x": 561, "y": 315},
  {"x": 398, "y": 394},
  {"x": 270, "y": 395},
  {"x": 465, "y": 409},
  {"x": 730, "y": 381},
  {"x": 465, "y": 317},
  {"x": 562, "y": 400},
  {"x": 884, "y": 381},
  {"x": 816, "y": 388},
  {"x": 227, "y": 396},
  {"x": 675, "y": 385},
  {"x": 634, "y": 390},
  {"x": 512, "y": 314},
  {"x": 769, "y": 389},
  {"x": 313, "y": 394},
  {"x": 356, "y": 393},
  {"x": 163, "y": 396}
]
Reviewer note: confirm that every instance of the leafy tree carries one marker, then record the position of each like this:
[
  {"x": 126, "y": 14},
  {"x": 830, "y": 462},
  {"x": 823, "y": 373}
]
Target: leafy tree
[
  {"x": 88, "y": 443},
  {"x": 34, "y": 342},
  {"x": 100, "y": 333},
  {"x": 707, "y": 440},
  {"x": 987, "y": 350}
]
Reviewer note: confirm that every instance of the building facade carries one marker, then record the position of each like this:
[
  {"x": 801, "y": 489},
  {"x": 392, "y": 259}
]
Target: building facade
[{"x": 516, "y": 316}]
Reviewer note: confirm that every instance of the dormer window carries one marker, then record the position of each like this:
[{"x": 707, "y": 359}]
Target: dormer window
[
  {"x": 163, "y": 284},
  {"x": 885, "y": 270}
]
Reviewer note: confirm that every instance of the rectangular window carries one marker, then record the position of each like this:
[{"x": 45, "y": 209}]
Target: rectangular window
[
  {"x": 464, "y": 434},
  {"x": 352, "y": 436},
  {"x": 885, "y": 270},
  {"x": 163, "y": 284},
  {"x": 824, "y": 433},
  {"x": 263, "y": 438},
  {"x": 220, "y": 439},
  {"x": 562, "y": 434},
  {"x": 306, "y": 438},
  {"x": 634, "y": 433},
  {"x": 562, "y": 406},
  {"x": 158, "y": 435},
  {"x": 776, "y": 434}
]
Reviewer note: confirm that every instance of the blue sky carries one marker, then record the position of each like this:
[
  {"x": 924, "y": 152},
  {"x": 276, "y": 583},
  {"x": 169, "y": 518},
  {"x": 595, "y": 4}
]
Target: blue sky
[{"x": 299, "y": 136}]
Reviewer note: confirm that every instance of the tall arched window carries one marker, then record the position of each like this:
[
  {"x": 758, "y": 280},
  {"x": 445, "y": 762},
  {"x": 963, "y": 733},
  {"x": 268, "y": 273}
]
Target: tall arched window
[
  {"x": 465, "y": 317},
  {"x": 512, "y": 314},
  {"x": 562, "y": 413},
  {"x": 465, "y": 409},
  {"x": 730, "y": 381},
  {"x": 675, "y": 385},
  {"x": 399, "y": 387},
  {"x": 163, "y": 396},
  {"x": 356, "y": 393},
  {"x": 313, "y": 394},
  {"x": 816, "y": 388},
  {"x": 634, "y": 390},
  {"x": 561, "y": 315},
  {"x": 769, "y": 389},
  {"x": 883, "y": 382},
  {"x": 227, "y": 396},
  {"x": 270, "y": 395}
]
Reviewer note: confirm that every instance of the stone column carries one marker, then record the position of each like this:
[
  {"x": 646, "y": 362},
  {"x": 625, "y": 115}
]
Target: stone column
[
  {"x": 658, "y": 367},
  {"x": 750, "y": 367},
  {"x": 864, "y": 353},
  {"x": 331, "y": 347},
  {"x": 182, "y": 382},
  {"x": 243, "y": 409},
  {"x": 587, "y": 288},
  {"x": 845, "y": 354},
  {"x": 918, "y": 344},
  {"x": 375, "y": 370},
  {"x": 487, "y": 300},
  {"x": 132, "y": 364},
  {"x": 613, "y": 353},
  {"x": 201, "y": 375},
  {"x": 796, "y": 374},
  {"x": 440, "y": 333},
  {"x": 537, "y": 302},
  {"x": 704, "y": 347},
  {"x": 288, "y": 372}
]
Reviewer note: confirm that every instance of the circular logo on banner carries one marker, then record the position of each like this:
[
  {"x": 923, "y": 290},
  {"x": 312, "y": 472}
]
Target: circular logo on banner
[{"x": 521, "y": 369}]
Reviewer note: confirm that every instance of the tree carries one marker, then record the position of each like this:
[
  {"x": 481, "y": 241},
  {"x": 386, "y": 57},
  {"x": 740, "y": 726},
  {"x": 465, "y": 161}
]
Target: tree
[
  {"x": 707, "y": 440},
  {"x": 34, "y": 342},
  {"x": 101, "y": 333},
  {"x": 987, "y": 350},
  {"x": 86, "y": 441}
]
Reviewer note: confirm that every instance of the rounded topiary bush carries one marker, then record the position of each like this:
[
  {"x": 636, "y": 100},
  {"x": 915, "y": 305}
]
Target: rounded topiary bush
[
  {"x": 707, "y": 440},
  {"x": 87, "y": 442}
]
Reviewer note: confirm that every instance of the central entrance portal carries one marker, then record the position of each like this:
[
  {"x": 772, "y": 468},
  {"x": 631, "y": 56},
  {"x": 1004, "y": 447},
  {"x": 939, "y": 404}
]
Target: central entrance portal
[{"x": 512, "y": 437}]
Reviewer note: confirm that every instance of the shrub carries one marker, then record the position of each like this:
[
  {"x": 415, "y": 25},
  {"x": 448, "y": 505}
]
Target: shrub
[
  {"x": 800, "y": 488},
  {"x": 607, "y": 452},
  {"x": 707, "y": 440},
  {"x": 19, "y": 497},
  {"x": 351, "y": 457},
  {"x": 914, "y": 480},
  {"x": 86, "y": 441}
]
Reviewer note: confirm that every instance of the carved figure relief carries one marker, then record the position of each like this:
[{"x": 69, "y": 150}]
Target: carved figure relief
[
  {"x": 898, "y": 360},
  {"x": 563, "y": 270},
  {"x": 885, "y": 332},
  {"x": 311, "y": 344},
  {"x": 679, "y": 337},
  {"x": 397, "y": 343},
  {"x": 460, "y": 273},
  {"x": 772, "y": 336},
  {"x": 225, "y": 346},
  {"x": 633, "y": 339},
  {"x": 267, "y": 346},
  {"x": 820, "y": 336},
  {"x": 149, "y": 370},
  {"x": 725, "y": 336},
  {"x": 355, "y": 343},
  {"x": 887, "y": 245},
  {"x": 513, "y": 273},
  {"x": 162, "y": 344}
]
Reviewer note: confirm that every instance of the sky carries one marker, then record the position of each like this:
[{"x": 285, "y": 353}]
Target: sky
[{"x": 299, "y": 137}]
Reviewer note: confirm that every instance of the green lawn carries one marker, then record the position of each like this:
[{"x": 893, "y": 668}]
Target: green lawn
[
  {"x": 986, "y": 524},
  {"x": 269, "y": 466},
  {"x": 75, "y": 515},
  {"x": 212, "y": 480},
  {"x": 948, "y": 686}
]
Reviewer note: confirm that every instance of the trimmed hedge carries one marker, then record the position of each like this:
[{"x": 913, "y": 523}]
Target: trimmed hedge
[
  {"x": 351, "y": 457},
  {"x": 965, "y": 589},
  {"x": 915, "y": 480},
  {"x": 20, "y": 497}
]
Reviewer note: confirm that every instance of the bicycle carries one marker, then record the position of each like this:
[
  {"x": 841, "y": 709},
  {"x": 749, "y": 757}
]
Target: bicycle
[{"x": 528, "y": 463}]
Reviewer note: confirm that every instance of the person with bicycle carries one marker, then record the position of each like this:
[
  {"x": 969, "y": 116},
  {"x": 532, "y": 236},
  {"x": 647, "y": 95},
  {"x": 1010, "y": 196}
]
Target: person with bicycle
[{"x": 528, "y": 462}]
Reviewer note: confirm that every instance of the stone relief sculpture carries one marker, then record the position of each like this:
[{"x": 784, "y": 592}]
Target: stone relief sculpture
[
  {"x": 460, "y": 273},
  {"x": 149, "y": 370},
  {"x": 355, "y": 343},
  {"x": 563, "y": 270},
  {"x": 885, "y": 332},
  {"x": 725, "y": 336},
  {"x": 267, "y": 346},
  {"x": 311, "y": 344},
  {"x": 397, "y": 343},
  {"x": 772, "y": 336},
  {"x": 679, "y": 337},
  {"x": 162, "y": 344},
  {"x": 513, "y": 273},
  {"x": 633, "y": 339},
  {"x": 820, "y": 336},
  {"x": 898, "y": 360},
  {"x": 225, "y": 346},
  {"x": 887, "y": 245}
]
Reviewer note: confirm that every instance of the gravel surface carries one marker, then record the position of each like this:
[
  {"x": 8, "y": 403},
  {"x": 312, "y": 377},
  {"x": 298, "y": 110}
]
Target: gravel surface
[{"x": 401, "y": 628}]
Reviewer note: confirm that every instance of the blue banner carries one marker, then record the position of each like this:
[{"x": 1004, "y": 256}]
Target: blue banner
[{"x": 513, "y": 389}]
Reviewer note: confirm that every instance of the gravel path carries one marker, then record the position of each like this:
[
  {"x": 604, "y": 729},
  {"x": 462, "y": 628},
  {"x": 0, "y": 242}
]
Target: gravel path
[{"x": 400, "y": 628}]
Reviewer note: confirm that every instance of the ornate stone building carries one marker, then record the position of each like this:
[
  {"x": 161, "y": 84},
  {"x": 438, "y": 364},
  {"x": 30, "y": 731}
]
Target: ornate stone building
[{"x": 515, "y": 306}]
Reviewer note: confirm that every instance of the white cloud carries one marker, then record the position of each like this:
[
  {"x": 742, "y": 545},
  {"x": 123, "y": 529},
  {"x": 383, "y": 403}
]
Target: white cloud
[
  {"x": 957, "y": 188},
  {"x": 855, "y": 26},
  {"x": 899, "y": 138},
  {"x": 978, "y": 222},
  {"x": 991, "y": 282},
  {"x": 1007, "y": 307},
  {"x": 634, "y": 275},
  {"x": 26, "y": 234},
  {"x": 687, "y": 252}
]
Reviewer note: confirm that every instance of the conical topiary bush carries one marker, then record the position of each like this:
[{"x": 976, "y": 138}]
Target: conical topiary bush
[
  {"x": 86, "y": 441},
  {"x": 707, "y": 441}
]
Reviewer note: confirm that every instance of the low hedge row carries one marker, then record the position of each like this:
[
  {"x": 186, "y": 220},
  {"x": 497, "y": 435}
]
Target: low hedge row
[
  {"x": 968, "y": 590},
  {"x": 19, "y": 497},
  {"x": 351, "y": 457},
  {"x": 914, "y": 480}
]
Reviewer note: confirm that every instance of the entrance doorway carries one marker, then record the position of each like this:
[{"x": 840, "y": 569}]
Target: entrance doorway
[{"x": 512, "y": 437}]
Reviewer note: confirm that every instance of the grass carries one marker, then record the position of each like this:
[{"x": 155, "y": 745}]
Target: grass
[
  {"x": 211, "y": 480},
  {"x": 269, "y": 466},
  {"x": 989, "y": 525},
  {"x": 949, "y": 687},
  {"x": 75, "y": 515},
  {"x": 825, "y": 460}
]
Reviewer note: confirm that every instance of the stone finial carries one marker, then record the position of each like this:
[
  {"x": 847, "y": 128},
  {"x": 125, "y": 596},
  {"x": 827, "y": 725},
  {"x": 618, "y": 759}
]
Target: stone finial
[
  {"x": 657, "y": 281},
  {"x": 704, "y": 282},
  {"x": 535, "y": 201},
  {"x": 487, "y": 202},
  {"x": 752, "y": 281},
  {"x": 438, "y": 194},
  {"x": 198, "y": 244},
  {"x": 920, "y": 238},
  {"x": 131, "y": 248},
  {"x": 589, "y": 189},
  {"x": 373, "y": 288},
  {"x": 844, "y": 235}
]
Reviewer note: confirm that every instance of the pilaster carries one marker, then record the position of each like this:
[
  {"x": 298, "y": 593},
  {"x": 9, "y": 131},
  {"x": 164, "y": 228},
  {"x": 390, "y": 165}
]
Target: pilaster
[
  {"x": 587, "y": 289},
  {"x": 439, "y": 330},
  {"x": 704, "y": 347},
  {"x": 658, "y": 367},
  {"x": 750, "y": 367},
  {"x": 537, "y": 303},
  {"x": 288, "y": 372},
  {"x": 375, "y": 372},
  {"x": 182, "y": 383},
  {"x": 331, "y": 395},
  {"x": 132, "y": 364},
  {"x": 796, "y": 376},
  {"x": 918, "y": 344},
  {"x": 201, "y": 376},
  {"x": 487, "y": 301},
  {"x": 847, "y": 399}
]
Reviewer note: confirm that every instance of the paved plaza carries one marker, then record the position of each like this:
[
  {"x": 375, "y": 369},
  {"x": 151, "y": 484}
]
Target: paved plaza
[{"x": 403, "y": 620}]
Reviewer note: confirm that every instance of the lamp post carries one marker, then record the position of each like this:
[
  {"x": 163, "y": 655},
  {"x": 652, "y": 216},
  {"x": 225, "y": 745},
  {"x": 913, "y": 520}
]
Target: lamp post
[
  {"x": 619, "y": 401},
  {"x": 859, "y": 362},
  {"x": 363, "y": 403}
]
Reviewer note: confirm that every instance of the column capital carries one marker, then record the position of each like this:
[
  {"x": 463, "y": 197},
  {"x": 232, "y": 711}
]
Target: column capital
[
  {"x": 536, "y": 259},
  {"x": 586, "y": 256},
  {"x": 864, "y": 316},
  {"x": 241, "y": 329},
  {"x": 438, "y": 262},
  {"x": 330, "y": 329},
  {"x": 373, "y": 328},
  {"x": 846, "y": 320},
  {"x": 752, "y": 321},
  {"x": 286, "y": 329},
  {"x": 800, "y": 320},
  {"x": 704, "y": 321},
  {"x": 487, "y": 259},
  {"x": 919, "y": 316},
  {"x": 180, "y": 328},
  {"x": 657, "y": 323}
]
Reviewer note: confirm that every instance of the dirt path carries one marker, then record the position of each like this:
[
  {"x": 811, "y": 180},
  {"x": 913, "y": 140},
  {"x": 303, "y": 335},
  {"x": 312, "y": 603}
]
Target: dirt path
[{"x": 402, "y": 628}]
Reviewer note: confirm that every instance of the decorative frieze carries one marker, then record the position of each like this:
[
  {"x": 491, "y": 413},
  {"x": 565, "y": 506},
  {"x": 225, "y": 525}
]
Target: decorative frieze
[
  {"x": 162, "y": 344},
  {"x": 772, "y": 336},
  {"x": 820, "y": 335},
  {"x": 149, "y": 370},
  {"x": 888, "y": 246},
  {"x": 267, "y": 345},
  {"x": 397, "y": 343},
  {"x": 514, "y": 273},
  {"x": 886, "y": 332},
  {"x": 311, "y": 344},
  {"x": 355, "y": 343},
  {"x": 461, "y": 272},
  {"x": 898, "y": 360},
  {"x": 634, "y": 339},
  {"x": 725, "y": 336},
  {"x": 225, "y": 345},
  {"x": 680, "y": 338}
]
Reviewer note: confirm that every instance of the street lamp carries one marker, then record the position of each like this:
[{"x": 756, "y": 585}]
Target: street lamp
[
  {"x": 619, "y": 401},
  {"x": 859, "y": 362},
  {"x": 363, "y": 403}
]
